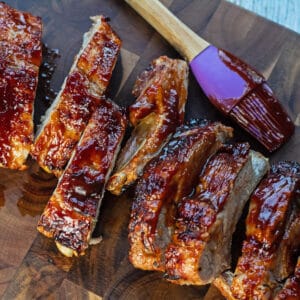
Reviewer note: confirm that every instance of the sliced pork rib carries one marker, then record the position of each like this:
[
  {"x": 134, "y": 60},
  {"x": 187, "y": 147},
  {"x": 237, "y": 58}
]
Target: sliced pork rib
[
  {"x": 161, "y": 93},
  {"x": 201, "y": 244},
  {"x": 166, "y": 179},
  {"x": 79, "y": 96},
  {"x": 20, "y": 58},
  {"x": 272, "y": 234},
  {"x": 72, "y": 211}
]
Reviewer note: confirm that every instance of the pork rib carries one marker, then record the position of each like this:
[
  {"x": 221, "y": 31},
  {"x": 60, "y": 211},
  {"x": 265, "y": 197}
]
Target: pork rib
[
  {"x": 272, "y": 225},
  {"x": 205, "y": 222},
  {"x": 72, "y": 211},
  {"x": 166, "y": 179},
  {"x": 283, "y": 263},
  {"x": 20, "y": 58},
  {"x": 161, "y": 93},
  {"x": 79, "y": 96}
]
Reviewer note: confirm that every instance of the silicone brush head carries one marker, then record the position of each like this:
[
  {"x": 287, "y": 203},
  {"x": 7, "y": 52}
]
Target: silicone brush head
[{"x": 241, "y": 93}]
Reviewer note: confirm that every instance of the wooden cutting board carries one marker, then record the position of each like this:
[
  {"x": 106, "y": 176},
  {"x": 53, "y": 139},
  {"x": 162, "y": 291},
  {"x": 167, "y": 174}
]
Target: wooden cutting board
[{"x": 30, "y": 265}]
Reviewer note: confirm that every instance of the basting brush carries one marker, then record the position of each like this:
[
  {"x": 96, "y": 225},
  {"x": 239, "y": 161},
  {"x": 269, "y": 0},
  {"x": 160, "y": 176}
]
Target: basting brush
[{"x": 232, "y": 86}]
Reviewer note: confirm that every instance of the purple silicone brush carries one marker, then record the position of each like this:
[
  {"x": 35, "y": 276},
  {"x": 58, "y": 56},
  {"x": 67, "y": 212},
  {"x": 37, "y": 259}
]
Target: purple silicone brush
[{"x": 231, "y": 85}]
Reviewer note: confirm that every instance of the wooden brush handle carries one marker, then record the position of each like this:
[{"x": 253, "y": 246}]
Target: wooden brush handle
[{"x": 182, "y": 38}]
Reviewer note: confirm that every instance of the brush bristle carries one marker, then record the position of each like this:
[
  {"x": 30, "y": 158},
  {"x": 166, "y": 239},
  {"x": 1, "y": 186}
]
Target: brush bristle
[
  {"x": 261, "y": 114},
  {"x": 238, "y": 91}
]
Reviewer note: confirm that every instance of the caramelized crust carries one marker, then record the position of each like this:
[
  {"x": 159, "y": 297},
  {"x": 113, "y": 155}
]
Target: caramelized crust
[
  {"x": 20, "y": 58},
  {"x": 20, "y": 40},
  {"x": 166, "y": 179},
  {"x": 80, "y": 95},
  {"x": 291, "y": 288},
  {"x": 205, "y": 222},
  {"x": 223, "y": 283},
  {"x": 288, "y": 248},
  {"x": 72, "y": 211},
  {"x": 273, "y": 207},
  {"x": 98, "y": 58},
  {"x": 161, "y": 93},
  {"x": 61, "y": 134},
  {"x": 67, "y": 226}
]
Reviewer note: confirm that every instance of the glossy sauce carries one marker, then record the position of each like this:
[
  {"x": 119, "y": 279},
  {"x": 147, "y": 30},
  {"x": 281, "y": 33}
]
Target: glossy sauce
[
  {"x": 78, "y": 103},
  {"x": 172, "y": 175},
  {"x": 162, "y": 91},
  {"x": 197, "y": 214},
  {"x": 264, "y": 118},
  {"x": 272, "y": 202},
  {"x": 157, "y": 112},
  {"x": 67, "y": 226},
  {"x": 99, "y": 57},
  {"x": 224, "y": 78},
  {"x": 19, "y": 60},
  {"x": 291, "y": 289},
  {"x": 104, "y": 63},
  {"x": 80, "y": 190},
  {"x": 55, "y": 145},
  {"x": 80, "y": 97},
  {"x": 270, "y": 207},
  {"x": 84, "y": 180},
  {"x": 21, "y": 35}
]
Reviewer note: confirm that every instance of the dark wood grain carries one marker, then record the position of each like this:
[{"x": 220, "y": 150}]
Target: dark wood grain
[
  {"x": 69, "y": 290},
  {"x": 30, "y": 265}
]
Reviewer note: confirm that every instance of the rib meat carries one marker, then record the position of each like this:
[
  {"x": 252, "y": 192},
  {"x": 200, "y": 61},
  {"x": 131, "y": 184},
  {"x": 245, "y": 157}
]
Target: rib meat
[
  {"x": 291, "y": 288},
  {"x": 288, "y": 247},
  {"x": 272, "y": 234},
  {"x": 72, "y": 211},
  {"x": 20, "y": 58},
  {"x": 166, "y": 179},
  {"x": 161, "y": 93},
  {"x": 205, "y": 222},
  {"x": 78, "y": 98}
]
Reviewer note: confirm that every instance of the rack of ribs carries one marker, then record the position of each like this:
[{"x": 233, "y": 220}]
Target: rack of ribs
[
  {"x": 72, "y": 211},
  {"x": 205, "y": 222},
  {"x": 20, "y": 59},
  {"x": 161, "y": 93},
  {"x": 166, "y": 179},
  {"x": 79, "y": 96},
  {"x": 272, "y": 237}
]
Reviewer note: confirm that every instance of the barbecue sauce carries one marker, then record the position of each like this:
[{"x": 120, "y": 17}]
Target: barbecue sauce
[{"x": 20, "y": 57}]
